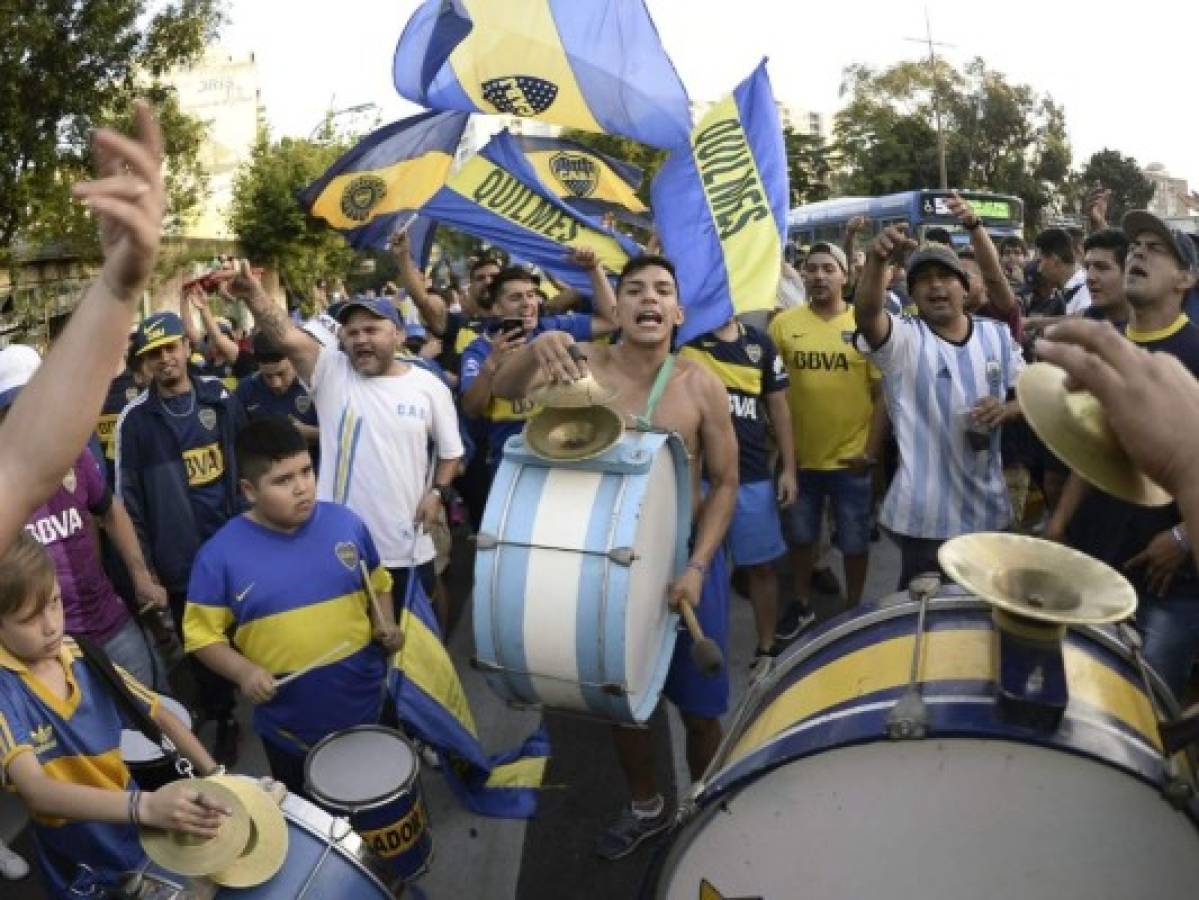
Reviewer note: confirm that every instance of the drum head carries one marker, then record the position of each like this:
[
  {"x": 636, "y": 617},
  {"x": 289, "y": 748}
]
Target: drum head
[
  {"x": 986, "y": 820},
  {"x": 359, "y": 767},
  {"x": 137, "y": 748}
]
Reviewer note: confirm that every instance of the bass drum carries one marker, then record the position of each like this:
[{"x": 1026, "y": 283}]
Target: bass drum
[
  {"x": 809, "y": 798},
  {"x": 573, "y": 563}
]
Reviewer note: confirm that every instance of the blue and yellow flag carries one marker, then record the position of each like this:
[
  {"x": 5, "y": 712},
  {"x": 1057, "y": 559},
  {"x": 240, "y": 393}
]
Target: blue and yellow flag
[
  {"x": 496, "y": 196},
  {"x": 430, "y": 701},
  {"x": 587, "y": 180},
  {"x": 378, "y": 185},
  {"x": 720, "y": 206},
  {"x": 596, "y": 65}
]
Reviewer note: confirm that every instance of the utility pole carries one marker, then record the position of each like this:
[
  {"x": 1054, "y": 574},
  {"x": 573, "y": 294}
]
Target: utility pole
[{"x": 932, "y": 61}]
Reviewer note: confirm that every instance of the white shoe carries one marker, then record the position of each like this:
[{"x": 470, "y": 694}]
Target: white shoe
[{"x": 12, "y": 867}]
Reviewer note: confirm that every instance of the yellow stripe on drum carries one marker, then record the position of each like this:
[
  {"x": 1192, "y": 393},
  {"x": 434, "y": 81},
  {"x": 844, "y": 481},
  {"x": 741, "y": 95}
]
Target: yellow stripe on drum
[{"x": 953, "y": 655}]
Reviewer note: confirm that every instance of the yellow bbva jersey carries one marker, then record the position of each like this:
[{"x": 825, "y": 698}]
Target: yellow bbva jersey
[{"x": 831, "y": 384}]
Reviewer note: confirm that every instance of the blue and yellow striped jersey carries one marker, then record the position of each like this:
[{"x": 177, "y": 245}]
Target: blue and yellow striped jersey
[
  {"x": 285, "y": 600},
  {"x": 77, "y": 740}
]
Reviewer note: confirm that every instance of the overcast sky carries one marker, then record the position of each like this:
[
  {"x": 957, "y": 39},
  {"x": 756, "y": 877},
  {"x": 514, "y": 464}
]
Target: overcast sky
[{"x": 1126, "y": 75}]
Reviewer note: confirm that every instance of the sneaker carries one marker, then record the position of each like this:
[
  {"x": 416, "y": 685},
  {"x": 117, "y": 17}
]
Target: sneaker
[
  {"x": 794, "y": 620},
  {"x": 224, "y": 748},
  {"x": 629, "y": 831},
  {"x": 763, "y": 663},
  {"x": 12, "y": 867},
  {"x": 824, "y": 581}
]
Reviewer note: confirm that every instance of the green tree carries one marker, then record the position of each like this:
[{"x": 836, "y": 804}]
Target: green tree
[
  {"x": 68, "y": 66},
  {"x": 271, "y": 225},
  {"x": 809, "y": 166},
  {"x": 1121, "y": 175},
  {"x": 999, "y": 136}
]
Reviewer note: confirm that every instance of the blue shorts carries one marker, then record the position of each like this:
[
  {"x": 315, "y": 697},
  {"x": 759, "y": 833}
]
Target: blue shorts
[
  {"x": 755, "y": 534},
  {"x": 852, "y": 496},
  {"x": 686, "y": 686}
]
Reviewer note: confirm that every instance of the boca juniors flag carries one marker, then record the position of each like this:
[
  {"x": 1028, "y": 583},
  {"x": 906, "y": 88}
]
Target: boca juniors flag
[
  {"x": 720, "y": 206},
  {"x": 595, "y": 65},
  {"x": 496, "y": 196},
  {"x": 377, "y": 186},
  {"x": 586, "y": 179}
]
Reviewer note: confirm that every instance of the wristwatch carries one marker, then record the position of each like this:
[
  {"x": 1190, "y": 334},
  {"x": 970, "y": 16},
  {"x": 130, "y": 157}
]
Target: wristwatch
[{"x": 445, "y": 493}]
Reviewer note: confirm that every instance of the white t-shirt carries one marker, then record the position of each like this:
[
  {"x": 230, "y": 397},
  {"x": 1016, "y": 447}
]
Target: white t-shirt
[
  {"x": 944, "y": 487},
  {"x": 1078, "y": 292},
  {"x": 375, "y": 447}
]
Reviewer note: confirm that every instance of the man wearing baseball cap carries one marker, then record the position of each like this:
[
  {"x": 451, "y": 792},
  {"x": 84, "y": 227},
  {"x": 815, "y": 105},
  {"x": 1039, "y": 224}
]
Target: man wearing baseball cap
[
  {"x": 177, "y": 477},
  {"x": 948, "y": 379},
  {"x": 1150, "y": 543},
  {"x": 378, "y": 414}
]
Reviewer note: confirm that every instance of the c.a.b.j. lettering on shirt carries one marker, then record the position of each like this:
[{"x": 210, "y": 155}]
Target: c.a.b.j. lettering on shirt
[{"x": 412, "y": 411}]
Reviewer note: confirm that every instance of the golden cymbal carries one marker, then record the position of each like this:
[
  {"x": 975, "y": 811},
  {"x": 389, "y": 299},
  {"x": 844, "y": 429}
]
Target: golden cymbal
[
  {"x": 585, "y": 391},
  {"x": 1072, "y": 424},
  {"x": 566, "y": 433},
  {"x": 266, "y": 848},
  {"x": 1035, "y": 579},
  {"x": 192, "y": 856}
]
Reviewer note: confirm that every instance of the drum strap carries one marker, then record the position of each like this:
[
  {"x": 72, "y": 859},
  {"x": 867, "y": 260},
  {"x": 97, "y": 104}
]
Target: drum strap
[
  {"x": 126, "y": 703},
  {"x": 644, "y": 422}
]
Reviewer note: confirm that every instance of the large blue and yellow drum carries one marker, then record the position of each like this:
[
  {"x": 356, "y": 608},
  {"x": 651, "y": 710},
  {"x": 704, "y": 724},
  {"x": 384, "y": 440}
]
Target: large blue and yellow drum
[{"x": 815, "y": 794}]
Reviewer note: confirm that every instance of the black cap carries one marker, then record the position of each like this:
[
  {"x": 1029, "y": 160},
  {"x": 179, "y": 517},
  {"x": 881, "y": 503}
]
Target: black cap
[{"x": 936, "y": 254}]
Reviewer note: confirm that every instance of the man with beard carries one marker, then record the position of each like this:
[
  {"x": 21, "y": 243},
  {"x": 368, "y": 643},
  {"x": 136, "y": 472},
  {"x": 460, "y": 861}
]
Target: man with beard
[
  {"x": 1150, "y": 542},
  {"x": 177, "y": 478},
  {"x": 378, "y": 415},
  {"x": 947, "y": 376},
  {"x": 694, "y": 405}
]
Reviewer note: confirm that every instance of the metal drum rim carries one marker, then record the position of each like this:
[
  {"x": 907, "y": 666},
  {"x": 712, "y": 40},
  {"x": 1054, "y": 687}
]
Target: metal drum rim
[{"x": 309, "y": 817}]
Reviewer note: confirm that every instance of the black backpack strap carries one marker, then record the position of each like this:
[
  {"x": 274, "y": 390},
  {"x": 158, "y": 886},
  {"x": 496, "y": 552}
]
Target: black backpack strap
[{"x": 126, "y": 703}]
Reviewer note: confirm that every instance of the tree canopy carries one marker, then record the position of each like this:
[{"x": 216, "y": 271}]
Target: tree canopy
[
  {"x": 999, "y": 136},
  {"x": 68, "y": 66},
  {"x": 1121, "y": 175}
]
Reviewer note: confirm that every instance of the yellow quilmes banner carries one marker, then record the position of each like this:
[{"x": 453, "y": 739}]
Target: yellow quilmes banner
[
  {"x": 204, "y": 464},
  {"x": 487, "y": 185},
  {"x": 584, "y": 177},
  {"x": 523, "y": 70},
  {"x": 748, "y": 234},
  {"x": 352, "y": 199}
]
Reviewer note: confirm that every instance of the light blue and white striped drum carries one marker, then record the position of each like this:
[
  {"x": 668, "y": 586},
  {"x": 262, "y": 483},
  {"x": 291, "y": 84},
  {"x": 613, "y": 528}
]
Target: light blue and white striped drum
[{"x": 573, "y": 563}]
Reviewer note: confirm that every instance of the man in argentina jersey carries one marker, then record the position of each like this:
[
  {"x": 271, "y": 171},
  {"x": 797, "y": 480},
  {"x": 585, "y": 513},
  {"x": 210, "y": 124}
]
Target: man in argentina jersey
[
  {"x": 947, "y": 377},
  {"x": 286, "y": 579}
]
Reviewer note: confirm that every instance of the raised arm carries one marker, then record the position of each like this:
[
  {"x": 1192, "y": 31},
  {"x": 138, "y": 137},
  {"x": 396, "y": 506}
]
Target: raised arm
[
  {"x": 552, "y": 355},
  {"x": 270, "y": 318},
  {"x": 430, "y": 306},
  {"x": 868, "y": 310},
  {"x": 603, "y": 322},
  {"x": 999, "y": 289},
  {"x": 225, "y": 345},
  {"x": 54, "y": 415}
]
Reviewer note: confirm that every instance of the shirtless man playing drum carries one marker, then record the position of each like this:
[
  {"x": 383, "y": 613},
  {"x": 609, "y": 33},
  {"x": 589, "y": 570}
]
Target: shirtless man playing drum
[{"x": 694, "y": 405}]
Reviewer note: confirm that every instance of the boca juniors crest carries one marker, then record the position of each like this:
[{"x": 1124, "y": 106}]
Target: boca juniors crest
[
  {"x": 347, "y": 555},
  {"x": 575, "y": 172},
  {"x": 520, "y": 95},
  {"x": 361, "y": 196}
]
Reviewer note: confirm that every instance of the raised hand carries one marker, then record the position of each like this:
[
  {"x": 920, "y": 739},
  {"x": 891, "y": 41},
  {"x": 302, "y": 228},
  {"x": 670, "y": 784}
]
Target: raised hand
[
  {"x": 128, "y": 199},
  {"x": 888, "y": 241},
  {"x": 962, "y": 210},
  {"x": 584, "y": 257}
]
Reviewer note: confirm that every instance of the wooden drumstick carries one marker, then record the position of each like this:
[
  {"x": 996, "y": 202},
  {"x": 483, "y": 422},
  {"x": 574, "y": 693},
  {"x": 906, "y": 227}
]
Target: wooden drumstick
[
  {"x": 704, "y": 652},
  {"x": 370, "y": 592},
  {"x": 316, "y": 663}
]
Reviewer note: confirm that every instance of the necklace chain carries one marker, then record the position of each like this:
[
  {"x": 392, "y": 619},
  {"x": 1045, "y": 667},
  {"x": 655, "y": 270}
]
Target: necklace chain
[{"x": 187, "y": 412}]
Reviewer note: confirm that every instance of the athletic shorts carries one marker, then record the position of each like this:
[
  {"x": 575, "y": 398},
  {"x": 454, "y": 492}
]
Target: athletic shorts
[
  {"x": 755, "y": 534},
  {"x": 686, "y": 687}
]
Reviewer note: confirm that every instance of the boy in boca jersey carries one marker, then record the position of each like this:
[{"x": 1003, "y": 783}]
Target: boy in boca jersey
[
  {"x": 280, "y": 589},
  {"x": 747, "y": 363},
  {"x": 60, "y": 733},
  {"x": 178, "y": 479}
]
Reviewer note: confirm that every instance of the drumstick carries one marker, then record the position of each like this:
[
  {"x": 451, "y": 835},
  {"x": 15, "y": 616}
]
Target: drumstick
[
  {"x": 370, "y": 592},
  {"x": 704, "y": 652},
  {"x": 316, "y": 663}
]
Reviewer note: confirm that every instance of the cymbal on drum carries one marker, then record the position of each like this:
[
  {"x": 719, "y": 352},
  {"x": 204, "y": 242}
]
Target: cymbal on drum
[
  {"x": 572, "y": 433},
  {"x": 1036, "y": 579},
  {"x": 585, "y": 391},
  {"x": 192, "y": 856},
  {"x": 1072, "y": 424}
]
